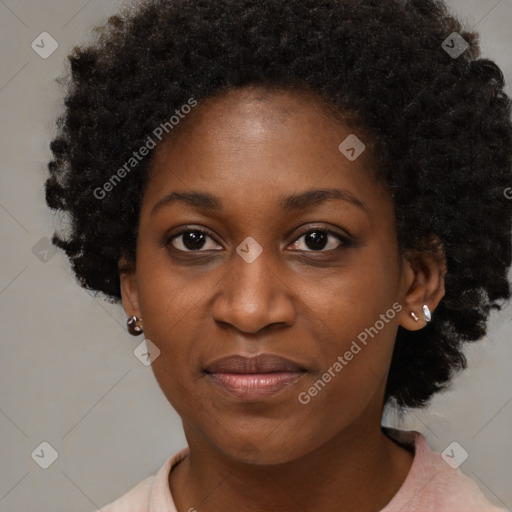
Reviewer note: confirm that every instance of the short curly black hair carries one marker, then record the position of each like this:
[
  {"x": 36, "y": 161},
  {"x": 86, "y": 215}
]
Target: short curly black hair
[{"x": 440, "y": 127}]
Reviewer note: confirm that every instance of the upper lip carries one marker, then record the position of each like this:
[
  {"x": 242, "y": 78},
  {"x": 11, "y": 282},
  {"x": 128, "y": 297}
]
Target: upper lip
[{"x": 262, "y": 363}]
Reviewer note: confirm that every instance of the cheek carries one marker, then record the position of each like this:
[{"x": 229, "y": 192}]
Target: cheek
[
  {"x": 168, "y": 296},
  {"x": 353, "y": 343},
  {"x": 170, "y": 321},
  {"x": 354, "y": 316},
  {"x": 353, "y": 348},
  {"x": 354, "y": 297}
]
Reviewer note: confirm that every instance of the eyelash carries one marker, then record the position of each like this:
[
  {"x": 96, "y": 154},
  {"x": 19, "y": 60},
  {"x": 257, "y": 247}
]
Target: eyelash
[{"x": 344, "y": 240}]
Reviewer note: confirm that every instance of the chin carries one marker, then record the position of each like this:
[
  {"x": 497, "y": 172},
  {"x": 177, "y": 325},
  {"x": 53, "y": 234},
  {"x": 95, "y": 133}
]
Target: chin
[{"x": 261, "y": 450}]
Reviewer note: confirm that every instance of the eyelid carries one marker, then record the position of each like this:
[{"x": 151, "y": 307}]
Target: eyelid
[
  {"x": 168, "y": 239},
  {"x": 337, "y": 232}
]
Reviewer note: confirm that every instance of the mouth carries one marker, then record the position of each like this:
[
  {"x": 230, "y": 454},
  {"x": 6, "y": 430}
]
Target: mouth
[{"x": 254, "y": 378}]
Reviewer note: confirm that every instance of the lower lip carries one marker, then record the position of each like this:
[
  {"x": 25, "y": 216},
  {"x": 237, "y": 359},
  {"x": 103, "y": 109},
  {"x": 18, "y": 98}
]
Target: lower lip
[{"x": 254, "y": 386}]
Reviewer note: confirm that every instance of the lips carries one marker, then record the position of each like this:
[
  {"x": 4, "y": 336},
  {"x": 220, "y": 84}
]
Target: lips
[
  {"x": 253, "y": 378},
  {"x": 262, "y": 363}
]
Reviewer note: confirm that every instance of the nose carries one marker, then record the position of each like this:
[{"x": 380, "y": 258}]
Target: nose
[{"x": 254, "y": 296}]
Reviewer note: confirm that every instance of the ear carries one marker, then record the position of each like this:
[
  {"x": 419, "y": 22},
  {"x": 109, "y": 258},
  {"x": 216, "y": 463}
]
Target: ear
[
  {"x": 129, "y": 287},
  {"x": 423, "y": 275}
]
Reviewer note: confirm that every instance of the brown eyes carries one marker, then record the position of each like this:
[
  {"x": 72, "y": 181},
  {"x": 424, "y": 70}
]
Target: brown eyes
[{"x": 314, "y": 240}]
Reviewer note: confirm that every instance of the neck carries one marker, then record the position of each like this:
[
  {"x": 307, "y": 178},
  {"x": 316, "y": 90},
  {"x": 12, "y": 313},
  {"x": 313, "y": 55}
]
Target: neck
[{"x": 341, "y": 471}]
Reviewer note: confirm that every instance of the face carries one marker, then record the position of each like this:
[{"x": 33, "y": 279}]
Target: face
[{"x": 300, "y": 278}]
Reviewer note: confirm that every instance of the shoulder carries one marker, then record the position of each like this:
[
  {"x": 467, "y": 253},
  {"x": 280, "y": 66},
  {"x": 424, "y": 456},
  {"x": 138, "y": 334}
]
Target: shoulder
[
  {"x": 135, "y": 500},
  {"x": 433, "y": 484},
  {"x": 152, "y": 493}
]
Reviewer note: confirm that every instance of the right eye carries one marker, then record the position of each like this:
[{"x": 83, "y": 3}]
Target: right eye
[{"x": 192, "y": 240}]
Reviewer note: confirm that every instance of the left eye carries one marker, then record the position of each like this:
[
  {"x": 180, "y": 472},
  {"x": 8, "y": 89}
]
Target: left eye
[{"x": 317, "y": 239}]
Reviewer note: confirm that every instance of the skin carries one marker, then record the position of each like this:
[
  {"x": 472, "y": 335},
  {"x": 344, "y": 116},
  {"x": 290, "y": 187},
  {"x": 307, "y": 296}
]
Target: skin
[{"x": 249, "y": 148}]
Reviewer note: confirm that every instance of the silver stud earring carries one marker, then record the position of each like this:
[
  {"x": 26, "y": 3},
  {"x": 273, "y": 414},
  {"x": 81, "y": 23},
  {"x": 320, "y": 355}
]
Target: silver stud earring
[
  {"x": 133, "y": 328},
  {"x": 426, "y": 311},
  {"x": 415, "y": 316}
]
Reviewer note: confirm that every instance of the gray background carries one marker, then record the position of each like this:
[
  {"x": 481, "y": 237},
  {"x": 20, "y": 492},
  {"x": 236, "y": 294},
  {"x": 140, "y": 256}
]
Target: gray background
[{"x": 68, "y": 374}]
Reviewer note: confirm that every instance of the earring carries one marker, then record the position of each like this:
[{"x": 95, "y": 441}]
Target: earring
[
  {"x": 133, "y": 328},
  {"x": 415, "y": 316},
  {"x": 426, "y": 311}
]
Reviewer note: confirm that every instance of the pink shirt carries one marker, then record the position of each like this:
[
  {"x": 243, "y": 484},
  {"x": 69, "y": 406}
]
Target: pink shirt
[{"x": 431, "y": 485}]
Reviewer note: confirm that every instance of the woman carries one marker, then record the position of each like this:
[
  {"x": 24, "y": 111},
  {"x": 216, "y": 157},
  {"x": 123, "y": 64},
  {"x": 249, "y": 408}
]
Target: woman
[{"x": 301, "y": 206}]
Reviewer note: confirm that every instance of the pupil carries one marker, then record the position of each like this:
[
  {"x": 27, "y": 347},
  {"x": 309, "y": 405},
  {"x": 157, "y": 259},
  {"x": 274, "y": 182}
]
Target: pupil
[
  {"x": 193, "y": 240},
  {"x": 317, "y": 240}
]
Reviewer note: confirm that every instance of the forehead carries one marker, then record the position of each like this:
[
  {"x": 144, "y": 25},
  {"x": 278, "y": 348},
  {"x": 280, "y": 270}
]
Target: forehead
[{"x": 255, "y": 142}]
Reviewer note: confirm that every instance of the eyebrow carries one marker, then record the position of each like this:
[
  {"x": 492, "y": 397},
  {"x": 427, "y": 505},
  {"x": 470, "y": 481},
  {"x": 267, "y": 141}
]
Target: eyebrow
[{"x": 289, "y": 203}]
